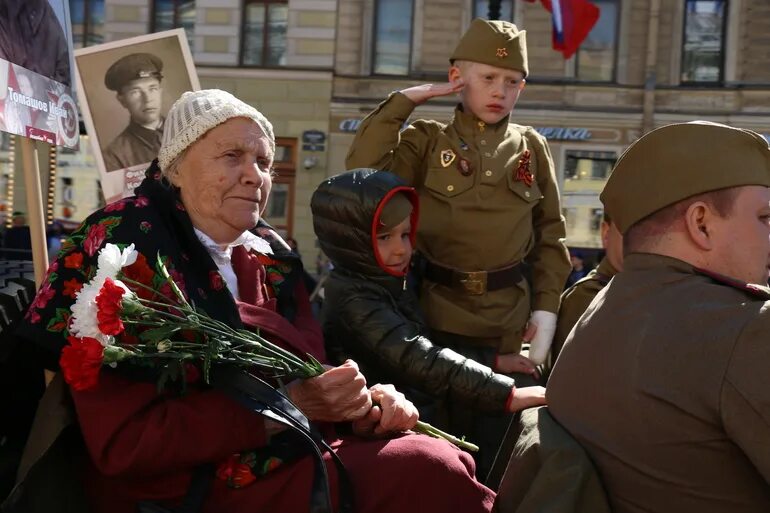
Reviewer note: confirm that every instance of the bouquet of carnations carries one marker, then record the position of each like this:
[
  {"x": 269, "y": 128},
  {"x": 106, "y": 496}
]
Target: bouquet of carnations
[{"x": 174, "y": 336}]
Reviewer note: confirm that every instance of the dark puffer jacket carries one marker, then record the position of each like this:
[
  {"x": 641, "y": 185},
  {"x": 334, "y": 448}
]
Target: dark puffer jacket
[{"x": 368, "y": 314}]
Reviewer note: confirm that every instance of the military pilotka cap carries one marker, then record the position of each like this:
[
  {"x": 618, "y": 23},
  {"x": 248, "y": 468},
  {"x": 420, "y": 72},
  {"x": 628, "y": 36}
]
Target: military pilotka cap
[
  {"x": 393, "y": 213},
  {"x": 675, "y": 162},
  {"x": 132, "y": 67},
  {"x": 494, "y": 42}
]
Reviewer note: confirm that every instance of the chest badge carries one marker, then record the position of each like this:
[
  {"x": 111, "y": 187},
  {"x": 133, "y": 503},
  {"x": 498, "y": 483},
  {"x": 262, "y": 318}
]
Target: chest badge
[
  {"x": 464, "y": 166},
  {"x": 447, "y": 157},
  {"x": 522, "y": 172}
]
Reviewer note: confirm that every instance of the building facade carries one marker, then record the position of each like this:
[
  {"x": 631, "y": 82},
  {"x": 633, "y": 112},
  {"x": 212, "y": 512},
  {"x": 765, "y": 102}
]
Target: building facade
[
  {"x": 315, "y": 68},
  {"x": 646, "y": 63}
]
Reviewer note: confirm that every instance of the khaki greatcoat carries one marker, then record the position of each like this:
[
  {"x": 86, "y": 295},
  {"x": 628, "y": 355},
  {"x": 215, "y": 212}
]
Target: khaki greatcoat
[{"x": 664, "y": 382}]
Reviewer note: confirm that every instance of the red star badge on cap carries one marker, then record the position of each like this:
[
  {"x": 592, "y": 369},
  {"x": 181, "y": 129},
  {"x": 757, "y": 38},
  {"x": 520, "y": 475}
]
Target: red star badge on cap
[{"x": 502, "y": 52}]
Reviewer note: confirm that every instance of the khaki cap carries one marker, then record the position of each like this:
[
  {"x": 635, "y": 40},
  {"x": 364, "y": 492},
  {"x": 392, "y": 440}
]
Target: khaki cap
[
  {"x": 678, "y": 161},
  {"x": 493, "y": 42},
  {"x": 132, "y": 67}
]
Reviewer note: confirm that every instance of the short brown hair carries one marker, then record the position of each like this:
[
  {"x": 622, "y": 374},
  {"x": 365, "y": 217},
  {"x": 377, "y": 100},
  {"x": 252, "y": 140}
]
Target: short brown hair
[{"x": 641, "y": 233}]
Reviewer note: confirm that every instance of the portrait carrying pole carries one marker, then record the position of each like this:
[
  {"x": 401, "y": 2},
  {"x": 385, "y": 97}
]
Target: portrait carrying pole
[{"x": 31, "y": 165}]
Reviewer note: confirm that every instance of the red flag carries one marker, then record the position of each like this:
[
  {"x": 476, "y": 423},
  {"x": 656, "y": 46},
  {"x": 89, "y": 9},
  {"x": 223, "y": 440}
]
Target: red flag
[{"x": 572, "y": 21}]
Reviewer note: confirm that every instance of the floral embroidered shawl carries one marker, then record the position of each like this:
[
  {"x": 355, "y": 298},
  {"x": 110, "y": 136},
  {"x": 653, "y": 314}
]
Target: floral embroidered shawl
[{"x": 155, "y": 221}]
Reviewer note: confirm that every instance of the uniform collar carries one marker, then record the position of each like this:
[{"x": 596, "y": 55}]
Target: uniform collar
[
  {"x": 471, "y": 126},
  {"x": 605, "y": 268},
  {"x": 646, "y": 261},
  {"x": 140, "y": 130}
]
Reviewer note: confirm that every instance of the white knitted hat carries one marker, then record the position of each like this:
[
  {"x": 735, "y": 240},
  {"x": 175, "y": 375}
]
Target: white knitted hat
[{"x": 197, "y": 112}]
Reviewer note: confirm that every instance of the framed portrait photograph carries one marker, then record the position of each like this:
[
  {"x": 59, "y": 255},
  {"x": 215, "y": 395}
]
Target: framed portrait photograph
[
  {"x": 126, "y": 89},
  {"x": 36, "y": 68}
]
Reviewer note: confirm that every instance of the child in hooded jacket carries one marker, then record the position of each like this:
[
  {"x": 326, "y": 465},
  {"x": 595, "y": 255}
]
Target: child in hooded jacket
[{"x": 366, "y": 223}]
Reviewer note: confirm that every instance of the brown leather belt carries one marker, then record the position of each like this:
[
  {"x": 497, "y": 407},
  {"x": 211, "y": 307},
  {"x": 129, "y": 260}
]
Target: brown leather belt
[{"x": 474, "y": 283}]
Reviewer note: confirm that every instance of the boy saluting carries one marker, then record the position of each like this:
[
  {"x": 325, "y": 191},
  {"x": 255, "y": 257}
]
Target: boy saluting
[{"x": 488, "y": 201}]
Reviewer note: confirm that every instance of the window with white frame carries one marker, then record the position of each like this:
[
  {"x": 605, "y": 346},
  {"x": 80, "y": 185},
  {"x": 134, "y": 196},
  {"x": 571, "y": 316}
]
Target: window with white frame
[
  {"x": 503, "y": 9},
  {"x": 393, "y": 37},
  {"x": 703, "y": 41},
  {"x": 596, "y": 58}
]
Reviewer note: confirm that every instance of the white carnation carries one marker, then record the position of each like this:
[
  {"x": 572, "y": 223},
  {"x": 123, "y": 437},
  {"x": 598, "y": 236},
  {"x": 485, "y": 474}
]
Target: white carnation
[
  {"x": 112, "y": 260},
  {"x": 84, "y": 322}
]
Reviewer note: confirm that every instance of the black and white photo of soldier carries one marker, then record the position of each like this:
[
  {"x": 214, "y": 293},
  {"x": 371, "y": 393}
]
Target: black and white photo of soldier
[
  {"x": 31, "y": 36},
  {"x": 137, "y": 81},
  {"x": 126, "y": 87}
]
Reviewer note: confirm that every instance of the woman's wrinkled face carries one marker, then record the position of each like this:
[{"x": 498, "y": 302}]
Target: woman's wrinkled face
[{"x": 225, "y": 179}]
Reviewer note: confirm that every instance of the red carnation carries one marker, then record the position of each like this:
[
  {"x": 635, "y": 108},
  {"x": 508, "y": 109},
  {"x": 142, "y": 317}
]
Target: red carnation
[
  {"x": 108, "y": 303},
  {"x": 81, "y": 361}
]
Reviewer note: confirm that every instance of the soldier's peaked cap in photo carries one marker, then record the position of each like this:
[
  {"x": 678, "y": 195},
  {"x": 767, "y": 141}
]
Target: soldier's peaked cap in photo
[
  {"x": 675, "y": 162},
  {"x": 493, "y": 42},
  {"x": 132, "y": 67}
]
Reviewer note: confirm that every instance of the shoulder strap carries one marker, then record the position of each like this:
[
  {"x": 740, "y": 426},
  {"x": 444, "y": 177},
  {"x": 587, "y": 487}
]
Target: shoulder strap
[
  {"x": 262, "y": 398},
  {"x": 752, "y": 289}
]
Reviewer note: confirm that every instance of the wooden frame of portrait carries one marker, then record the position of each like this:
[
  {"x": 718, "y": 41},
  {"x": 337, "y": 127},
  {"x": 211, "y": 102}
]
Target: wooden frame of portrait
[{"x": 107, "y": 120}]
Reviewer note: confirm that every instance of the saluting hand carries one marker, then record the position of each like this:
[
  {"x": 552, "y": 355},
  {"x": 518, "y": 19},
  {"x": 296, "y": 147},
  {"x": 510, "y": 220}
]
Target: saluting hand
[
  {"x": 337, "y": 395},
  {"x": 424, "y": 92}
]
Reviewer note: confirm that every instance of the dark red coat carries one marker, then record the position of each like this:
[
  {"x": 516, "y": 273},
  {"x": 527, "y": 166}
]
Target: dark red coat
[{"x": 144, "y": 446}]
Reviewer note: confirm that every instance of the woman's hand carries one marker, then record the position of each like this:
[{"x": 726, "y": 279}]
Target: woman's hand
[
  {"x": 337, "y": 395},
  {"x": 393, "y": 413}
]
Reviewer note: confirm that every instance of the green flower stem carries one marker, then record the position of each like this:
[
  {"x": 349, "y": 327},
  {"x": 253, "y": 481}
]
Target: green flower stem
[
  {"x": 278, "y": 360},
  {"x": 124, "y": 279},
  {"x": 427, "y": 429},
  {"x": 212, "y": 324}
]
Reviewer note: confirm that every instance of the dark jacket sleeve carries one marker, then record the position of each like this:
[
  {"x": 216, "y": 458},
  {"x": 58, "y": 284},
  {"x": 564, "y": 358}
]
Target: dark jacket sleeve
[{"x": 368, "y": 325}]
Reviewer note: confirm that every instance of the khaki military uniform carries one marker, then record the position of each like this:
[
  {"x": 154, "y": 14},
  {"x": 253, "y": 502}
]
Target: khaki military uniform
[
  {"x": 134, "y": 145},
  {"x": 664, "y": 382},
  {"x": 575, "y": 301},
  {"x": 478, "y": 212}
]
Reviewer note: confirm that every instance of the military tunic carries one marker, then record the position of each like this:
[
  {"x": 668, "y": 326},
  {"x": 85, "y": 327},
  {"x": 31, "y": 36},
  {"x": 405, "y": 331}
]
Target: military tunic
[
  {"x": 134, "y": 145},
  {"x": 477, "y": 213},
  {"x": 664, "y": 382},
  {"x": 575, "y": 301}
]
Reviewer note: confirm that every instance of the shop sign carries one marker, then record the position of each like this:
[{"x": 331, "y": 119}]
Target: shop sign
[
  {"x": 551, "y": 133},
  {"x": 349, "y": 125},
  {"x": 564, "y": 133},
  {"x": 313, "y": 140}
]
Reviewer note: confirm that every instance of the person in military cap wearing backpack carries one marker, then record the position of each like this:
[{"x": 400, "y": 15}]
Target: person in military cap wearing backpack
[
  {"x": 664, "y": 380},
  {"x": 489, "y": 202},
  {"x": 136, "y": 79}
]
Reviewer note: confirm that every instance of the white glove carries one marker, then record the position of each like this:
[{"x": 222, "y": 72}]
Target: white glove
[{"x": 541, "y": 342}]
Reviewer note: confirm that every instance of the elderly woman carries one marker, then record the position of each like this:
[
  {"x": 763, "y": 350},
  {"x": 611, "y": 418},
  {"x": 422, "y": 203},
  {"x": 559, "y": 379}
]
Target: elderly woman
[{"x": 199, "y": 209}]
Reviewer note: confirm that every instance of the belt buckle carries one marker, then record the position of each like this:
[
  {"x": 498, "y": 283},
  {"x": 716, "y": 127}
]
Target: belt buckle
[{"x": 472, "y": 283}]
